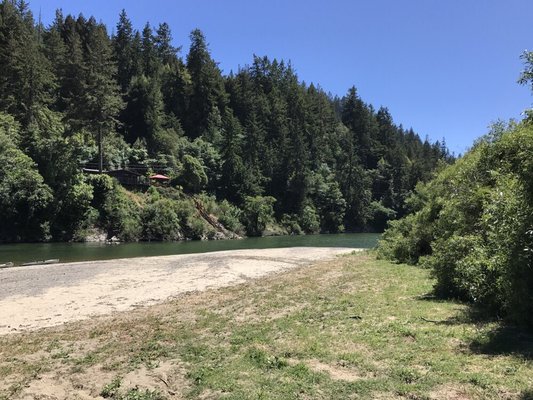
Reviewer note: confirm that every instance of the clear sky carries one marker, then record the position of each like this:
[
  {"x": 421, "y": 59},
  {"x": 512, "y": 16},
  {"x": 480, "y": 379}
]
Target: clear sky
[{"x": 447, "y": 68}]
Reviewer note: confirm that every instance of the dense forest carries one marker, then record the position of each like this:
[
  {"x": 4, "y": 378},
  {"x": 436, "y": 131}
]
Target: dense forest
[
  {"x": 472, "y": 225},
  {"x": 252, "y": 150}
]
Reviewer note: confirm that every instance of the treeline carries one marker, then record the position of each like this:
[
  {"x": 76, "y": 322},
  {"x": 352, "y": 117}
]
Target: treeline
[
  {"x": 472, "y": 225},
  {"x": 257, "y": 136}
]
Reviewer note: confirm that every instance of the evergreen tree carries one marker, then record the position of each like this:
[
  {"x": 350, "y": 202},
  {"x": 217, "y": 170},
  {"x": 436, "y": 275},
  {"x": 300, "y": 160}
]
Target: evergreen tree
[
  {"x": 124, "y": 51},
  {"x": 207, "y": 87},
  {"x": 102, "y": 101}
]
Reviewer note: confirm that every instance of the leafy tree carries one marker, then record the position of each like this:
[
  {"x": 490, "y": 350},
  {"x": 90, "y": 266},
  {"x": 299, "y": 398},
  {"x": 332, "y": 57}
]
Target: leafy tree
[
  {"x": 24, "y": 197},
  {"x": 192, "y": 177},
  {"x": 160, "y": 221},
  {"x": 257, "y": 213},
  {"x": 328, "y": 199}
]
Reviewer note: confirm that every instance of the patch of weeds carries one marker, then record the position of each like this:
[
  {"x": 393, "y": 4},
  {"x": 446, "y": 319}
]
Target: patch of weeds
[
  {"x": 137, "y": 394},
  {"x": 150, "y": 352},
  {"x": 87, "y": 360},
  {"x": 113, "y": 366},
  {"x": 112, "y": 391},
  {"x": 479, "y": 380},
  {"x": 5, "y": 370},
  {"x": 194, "y": 353},
  {"x": 62, "y": 354},
  {"x": 96, "y": 333},
  {"x": 262, "y": 360},
  {"x": 406, "y": 375},
  {"x": 200, "y": 375},
  {"x": 248, "y": 334},
  {"x": 54, "y": 344}
]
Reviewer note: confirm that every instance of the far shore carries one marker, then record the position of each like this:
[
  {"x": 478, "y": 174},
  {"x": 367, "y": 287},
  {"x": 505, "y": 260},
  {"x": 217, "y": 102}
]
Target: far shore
[{"x": 41, "y": 296}]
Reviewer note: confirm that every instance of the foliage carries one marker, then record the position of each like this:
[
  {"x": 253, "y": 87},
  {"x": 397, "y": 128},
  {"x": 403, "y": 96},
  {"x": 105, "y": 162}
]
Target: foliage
[
  {"x": 160, "y": 221},
  {"x": 329, "y": 201},
  {"x": 189, "y": 219},
  {"x": 309, "y": 220},
  {"x": 192, "y": 177},
  {"x": 290, "y": 223},
  {"x": 72, "y": 96},
  {"x": 257, "y": 213},
  {"x": 474, "y": 227},
  {"x": 24, "y": 197},
  {"x": 229, "y": 216},
  {"x": 121, "y": 215}
]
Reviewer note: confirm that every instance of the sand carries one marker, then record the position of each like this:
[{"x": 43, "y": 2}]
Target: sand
[{"x": 49, "y": 295}]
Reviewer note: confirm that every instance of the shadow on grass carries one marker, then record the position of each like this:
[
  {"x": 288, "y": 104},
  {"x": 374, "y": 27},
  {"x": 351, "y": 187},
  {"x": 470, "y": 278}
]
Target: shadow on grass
[
  {"x": 526, "y": 395},
  {"x": 505, "y": 340}
]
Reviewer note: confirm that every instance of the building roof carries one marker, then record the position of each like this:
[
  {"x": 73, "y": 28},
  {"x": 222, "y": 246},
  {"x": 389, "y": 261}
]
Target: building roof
[{"x": 160, "y": 177}]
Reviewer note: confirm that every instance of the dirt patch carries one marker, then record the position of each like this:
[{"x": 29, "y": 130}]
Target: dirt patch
[
  {"x": 168, "y": 378},
  {"x": 337, "y": 372},
  {"x": 448, "y": 392}
]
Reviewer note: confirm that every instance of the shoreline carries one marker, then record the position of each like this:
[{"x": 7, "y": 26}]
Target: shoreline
[{"x": 31, "y": 299}]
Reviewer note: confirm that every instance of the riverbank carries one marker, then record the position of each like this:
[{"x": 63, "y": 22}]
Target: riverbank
[
  {"x": 47, "y": 295},
  {"x": 351, "y": 327}
]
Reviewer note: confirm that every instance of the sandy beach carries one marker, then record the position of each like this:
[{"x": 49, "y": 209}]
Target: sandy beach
[{"x": 48, "y": 295}]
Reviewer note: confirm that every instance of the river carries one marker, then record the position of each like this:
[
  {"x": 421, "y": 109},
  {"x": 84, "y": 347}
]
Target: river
[{"x": 70, "y": 252}]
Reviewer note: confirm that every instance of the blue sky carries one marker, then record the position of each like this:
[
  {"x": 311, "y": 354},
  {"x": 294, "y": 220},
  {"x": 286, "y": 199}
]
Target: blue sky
[{"x": 446, "y": 68}]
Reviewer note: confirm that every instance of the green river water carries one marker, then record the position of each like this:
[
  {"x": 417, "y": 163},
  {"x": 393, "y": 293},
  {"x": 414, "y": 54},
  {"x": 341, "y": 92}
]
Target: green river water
[{"x": 68, "y": 252}]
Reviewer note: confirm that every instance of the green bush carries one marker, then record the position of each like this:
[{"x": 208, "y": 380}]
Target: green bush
[
  {"x": 229, "y": 216},
  {"x": 160, "y": 221},
  {"x": 290, "y": 224},
  {"x": 257, "y": 213},
  {"x": 121, "y": 215},
  {"x": 309, "y": 220},
  {"x": 191, "y": 223},
  {"x": 192, "y": 177},
  {"x": 25, "y": 200},
  {"x": 473, "y": 227}
]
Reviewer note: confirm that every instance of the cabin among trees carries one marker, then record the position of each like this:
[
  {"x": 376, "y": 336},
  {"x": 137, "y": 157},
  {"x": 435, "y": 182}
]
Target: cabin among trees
[{"x": 128, "y": 178}]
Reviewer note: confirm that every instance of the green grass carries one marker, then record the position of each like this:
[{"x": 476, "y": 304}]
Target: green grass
[{"x": 352, "y": 328}]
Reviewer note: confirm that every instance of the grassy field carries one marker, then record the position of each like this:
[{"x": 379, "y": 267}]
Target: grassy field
[{"x": 351, "y": 328}]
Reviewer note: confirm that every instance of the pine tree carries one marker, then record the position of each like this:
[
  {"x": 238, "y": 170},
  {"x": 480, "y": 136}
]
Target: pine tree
[
  {"x": 123, "y": 51},
  {"x": 207, "y": 86},
  {"x": 101, "y": 93}
]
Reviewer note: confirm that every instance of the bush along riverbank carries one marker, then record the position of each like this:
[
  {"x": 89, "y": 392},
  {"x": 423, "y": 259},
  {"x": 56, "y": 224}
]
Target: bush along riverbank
[{"x": 472, "y": 226}]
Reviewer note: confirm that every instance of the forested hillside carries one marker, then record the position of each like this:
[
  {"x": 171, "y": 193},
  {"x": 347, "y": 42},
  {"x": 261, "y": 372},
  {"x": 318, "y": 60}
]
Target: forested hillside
[{"x": 254, "y": 147}]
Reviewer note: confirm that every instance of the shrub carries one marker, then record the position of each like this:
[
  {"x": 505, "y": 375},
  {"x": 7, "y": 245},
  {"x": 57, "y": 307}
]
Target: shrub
[
  {"x": 229, "y": 216},
  {"x": 257, "y": 213},
  {"x": 309, "y": 220},
  {"x": 192, "y": 177},
  {"x": 160, "y": 221},
  {"x": 121, "y": 215},
  {"x": 474, "y": 227},
  {"x": 290, "y": 224},
  {"x": 190, "y": 221}
]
